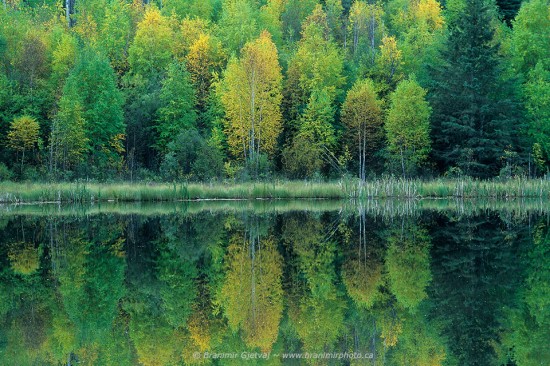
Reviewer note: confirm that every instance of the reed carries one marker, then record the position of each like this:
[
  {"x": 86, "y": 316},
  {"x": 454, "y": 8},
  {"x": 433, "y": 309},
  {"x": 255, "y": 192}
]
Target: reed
[
  {"x": 343, "y": 189},
  {"x": 384, "y": 208}
]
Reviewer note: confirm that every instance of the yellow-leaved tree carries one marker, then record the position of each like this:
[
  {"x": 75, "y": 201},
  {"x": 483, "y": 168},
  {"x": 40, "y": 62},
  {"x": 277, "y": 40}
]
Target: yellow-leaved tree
[
  {"x": 363, "y": 117},
  {"x": 151, "y": 51},
  {"x": 205, "y": 57},
  {"x": 23, "y": 135},
  {"x": 252, "y": 294},
  {"x": 389, "y": 61},
  {"x": 251, "y": 95}
]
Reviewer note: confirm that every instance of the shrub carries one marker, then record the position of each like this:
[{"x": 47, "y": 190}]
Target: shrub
[
  {"x": 5, "y": 173},
  {"x": 191, "y": 157}
]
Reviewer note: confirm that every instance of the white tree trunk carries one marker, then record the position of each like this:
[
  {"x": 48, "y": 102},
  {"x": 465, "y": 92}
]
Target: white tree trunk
[{"x": 69, "y": 11}]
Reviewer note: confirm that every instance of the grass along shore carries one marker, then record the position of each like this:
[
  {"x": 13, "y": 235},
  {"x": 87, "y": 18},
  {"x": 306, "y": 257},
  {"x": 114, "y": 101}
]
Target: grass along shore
[
  {"x": 11, "y": 192},
  {"x": 517, "y": 208}
]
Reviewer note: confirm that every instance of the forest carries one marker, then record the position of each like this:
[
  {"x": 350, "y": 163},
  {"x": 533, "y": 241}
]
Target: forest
[{"x": 202, "y": 90}]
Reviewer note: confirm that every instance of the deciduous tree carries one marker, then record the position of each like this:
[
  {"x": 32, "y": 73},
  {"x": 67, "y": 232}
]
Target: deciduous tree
[
  {"x": 407, "y": 125},
  {"x": 205, "y": 57},
  {"x": 238, "y": 24},
  {"x": 178, "y": 105},
  {"x": 23, "y": 136},
  {"x": 315, "y": 140},
  {"x": 362, "y": 115},
  {"x": 366, "y": 29},
  {"x": 251, "y": 95},
  {"x": 529, "y": 51},
  {"x": 91, "y": 87},
  {"x": 151, "y": 50},
  {"x": 68, "y": 141}
]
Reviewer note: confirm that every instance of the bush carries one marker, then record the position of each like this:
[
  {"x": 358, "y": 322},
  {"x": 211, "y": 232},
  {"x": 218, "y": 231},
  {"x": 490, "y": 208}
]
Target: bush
[
  {"x": 209, "y": 163},
  {"x": 32, "y": 174},
  {"x": 191, "y": 157},
  {"x": 256, "y": 167},
  {"x": 5, "y": 173},
  {"x": 302, "y": 159}
]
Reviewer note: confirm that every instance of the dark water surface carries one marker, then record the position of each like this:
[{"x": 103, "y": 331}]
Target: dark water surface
[{"x": 245, "y": 283}]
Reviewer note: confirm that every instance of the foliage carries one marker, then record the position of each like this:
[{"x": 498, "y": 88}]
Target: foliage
[
  {"x": 68, "y": 141},
  {"x": 317, "y": 64},
  {"x": 151, "y": 50},
  {"x": 178, "y": 105},
  {"x": 23, "y": 135},
  {"x": 189, "y": 156},
  {"x": 529, "y": 52},
  {"x": 238, "y": 25},
  {"x": 366, "y": 28},
  {"x": 192, "y": 8},
  {"x": 407, "y": 125},
  {"x": 5, "y": 173},
  {"x": 251, "y": 95},
  {"x": 205, "y": 57},
  {"x": 315, "y": 138},
  {"x": 91, "y": 98},
  {"x": 363, "y": 118},
  {"x": 111, "y": 83},
  {"x": 483, "y": 120}
]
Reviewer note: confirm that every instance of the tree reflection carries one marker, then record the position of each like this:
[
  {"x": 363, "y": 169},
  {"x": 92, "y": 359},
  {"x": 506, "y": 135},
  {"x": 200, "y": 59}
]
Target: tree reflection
[
  {"x": 316, "y": 304},
  {"x": 408, "y": 264},
  {"x": 363, "y": 267},
  {"x": 431, "y": 289},
  {"x": 252, "y": 293},
  {"x": 476, "y": 275},
  {"x": 526, "y": 339}
]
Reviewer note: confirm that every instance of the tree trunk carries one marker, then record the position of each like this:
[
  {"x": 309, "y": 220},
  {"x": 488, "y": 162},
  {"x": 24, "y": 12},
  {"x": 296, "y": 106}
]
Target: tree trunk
[
  {"x": 22, "y": 160},
  {"x": 403, "y": 162},
  {"x": 51, "y": 148},
  {"x": 361, "y": 161},
  {"x": 69, "y": 10},
  {"x": 373, "y": 26},
  {"x": 364, "y": 150}
]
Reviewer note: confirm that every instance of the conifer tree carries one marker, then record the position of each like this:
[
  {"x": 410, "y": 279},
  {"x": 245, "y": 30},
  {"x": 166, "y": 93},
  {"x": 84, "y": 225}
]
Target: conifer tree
[
  {"x": 476, "y": 116},
  {"x": 508, "y": 9}
]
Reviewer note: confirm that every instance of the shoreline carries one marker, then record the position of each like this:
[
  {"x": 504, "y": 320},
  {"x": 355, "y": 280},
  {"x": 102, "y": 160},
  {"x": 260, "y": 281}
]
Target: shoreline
[{"x": 12, "y": 192}]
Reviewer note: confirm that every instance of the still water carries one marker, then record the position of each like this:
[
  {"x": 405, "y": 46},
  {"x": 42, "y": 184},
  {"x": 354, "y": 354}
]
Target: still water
[{"x": 269, "y": 283}]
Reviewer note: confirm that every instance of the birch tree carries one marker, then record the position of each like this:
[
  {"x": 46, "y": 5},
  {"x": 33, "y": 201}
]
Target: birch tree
[
  {"x": 251, "y": 95},
  {"x": 23, "y": 135},
  {"x": 366, "y": 28},
  {"x": 362, "y": 116},
  {"x": 407, "y": 125}
]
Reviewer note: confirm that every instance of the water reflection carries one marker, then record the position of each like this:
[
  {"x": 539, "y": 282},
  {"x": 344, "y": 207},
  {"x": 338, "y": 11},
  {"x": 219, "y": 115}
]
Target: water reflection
[{"x": 429, "y": 288}]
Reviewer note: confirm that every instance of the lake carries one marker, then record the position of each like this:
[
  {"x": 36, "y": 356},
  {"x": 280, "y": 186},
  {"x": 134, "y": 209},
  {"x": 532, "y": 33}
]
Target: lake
[{"x": 276, "y": 282}]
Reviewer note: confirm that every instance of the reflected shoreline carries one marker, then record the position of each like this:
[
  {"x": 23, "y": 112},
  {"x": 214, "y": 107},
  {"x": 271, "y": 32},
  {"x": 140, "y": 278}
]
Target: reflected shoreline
[{"x": 379, "y": 207}]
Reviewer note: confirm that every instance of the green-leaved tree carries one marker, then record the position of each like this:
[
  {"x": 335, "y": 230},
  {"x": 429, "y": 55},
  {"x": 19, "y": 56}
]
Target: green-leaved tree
[{"x": 408, "y": 126}]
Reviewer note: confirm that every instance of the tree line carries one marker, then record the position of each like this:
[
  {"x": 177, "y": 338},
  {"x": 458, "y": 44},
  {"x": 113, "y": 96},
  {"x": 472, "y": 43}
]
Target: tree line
[{"x": 248, "y": 89}]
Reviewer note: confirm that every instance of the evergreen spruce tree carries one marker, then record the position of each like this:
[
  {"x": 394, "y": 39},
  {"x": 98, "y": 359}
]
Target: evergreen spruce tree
[
  {"x": 508, "y": 9},
  {"x": 476, "y": 114}
]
